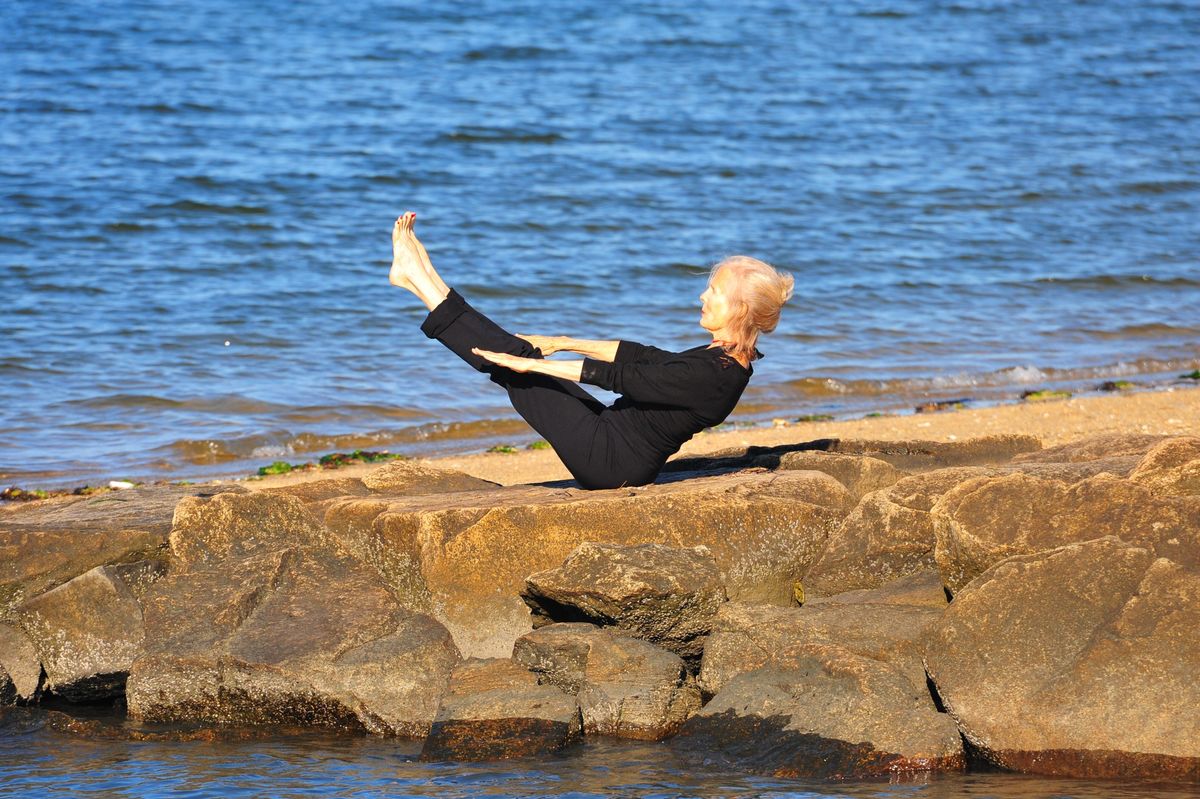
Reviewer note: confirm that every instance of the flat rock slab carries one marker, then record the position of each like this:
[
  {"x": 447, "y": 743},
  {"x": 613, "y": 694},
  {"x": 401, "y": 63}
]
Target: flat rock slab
[
  {"x": 1078, "y": 661},
  {"x": 87, "y": 633},
  {"x": 1094, "y": 448},
  {"x": 247, "y": 631},
  {"x": 45, "y": 544},
  {"x": 496, "y": 709},
  {"x": 860, "y": 474},
  {"x": 626, "y": 687},
  {"x": 465, "y": 557},
  {"x": 832, "y": 715},
  {"x": 662, "y": 594},
  {"x": 986, "y": 520},
  {"x": 748, "y": 637}
]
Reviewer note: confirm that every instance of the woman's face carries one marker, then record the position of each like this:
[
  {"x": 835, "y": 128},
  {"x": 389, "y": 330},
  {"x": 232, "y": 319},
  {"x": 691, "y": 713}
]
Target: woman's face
[{"x": 717, "y": 302}]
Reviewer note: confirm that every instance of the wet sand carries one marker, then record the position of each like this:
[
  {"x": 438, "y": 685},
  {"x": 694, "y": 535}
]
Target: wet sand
[{"x": 1170, "y": 411}]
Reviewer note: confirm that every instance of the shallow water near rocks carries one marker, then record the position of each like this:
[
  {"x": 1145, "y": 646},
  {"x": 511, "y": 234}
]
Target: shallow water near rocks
[{"x": 44, "y": 764}]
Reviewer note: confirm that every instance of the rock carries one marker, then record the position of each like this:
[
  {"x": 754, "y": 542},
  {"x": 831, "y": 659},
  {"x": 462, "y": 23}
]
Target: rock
[
  {"x": 665, "y": 595},
  {"x": 403, "y": 477},
  {"x": 1105, "y": 446},
  {"x": 45, "y": 544},
  {"x": 87, "y": 633},
  {"x": 626, "y": 687},
  {"x": 927, "y": 455},
  {"x": 888, "y": 535},
  {"x": 923, "y": 589},
  {"x": 1078, "y": 661},
  {"x": 858, "y": 473},
  {"x": 20, "y": 669},
  {"x": 465, "y": 557},
  {"x": 879, "y": 541},
  {"x": 495, "y": 709},
  {"x": 318, "y": 492},
  {"x": 1171, "y": 468},
  {"x": 832, "y": 714},
  {"x": 209, "y": 530},
  {"x": 264, "y": 622},
  {"x": 986, "y": 520},
  {"x": 748, "y": 637}
]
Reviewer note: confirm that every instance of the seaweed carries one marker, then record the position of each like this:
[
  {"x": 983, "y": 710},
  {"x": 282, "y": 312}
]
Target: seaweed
[
  {"x": 1193, "y": 375},
  {"x": 1045, "y": 395},
  {"x": 503, "y": 449},
  {"x": 539, "y": 444},
  {"x": 934, "y": 406}
]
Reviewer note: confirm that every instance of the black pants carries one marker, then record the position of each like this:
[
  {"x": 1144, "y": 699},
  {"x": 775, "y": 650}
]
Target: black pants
[{"x": 570, "y": 419}]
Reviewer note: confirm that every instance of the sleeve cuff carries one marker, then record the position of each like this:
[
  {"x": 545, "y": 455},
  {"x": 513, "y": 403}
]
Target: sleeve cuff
[{"x": 596, "y": 373}]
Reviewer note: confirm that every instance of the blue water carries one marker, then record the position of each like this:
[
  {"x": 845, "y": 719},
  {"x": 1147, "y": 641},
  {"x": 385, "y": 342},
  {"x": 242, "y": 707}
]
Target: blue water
[
  {"x": 975, "y": 196},
  {"x": 40, "y": 765}
]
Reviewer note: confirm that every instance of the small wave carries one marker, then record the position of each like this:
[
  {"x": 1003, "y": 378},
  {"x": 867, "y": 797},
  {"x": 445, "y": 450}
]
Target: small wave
[
  {"x": 1115, "y": 281},
  {"x": 883, "y": 13},
  {"x": 1149, "y": 330},
  {"x": 500, "y": 136},
  {"x": 505, "y": 53},
  {"x": 227, "y": 404},
  {"x": 282, "y": 444},
  {"x": 127, "y": 227},
  {"x": 1024, "y": 375},
  {"x": 1159, "y": 187},
  {"x": 16, "y": 242},
  {"x": 212, "y": 208}
]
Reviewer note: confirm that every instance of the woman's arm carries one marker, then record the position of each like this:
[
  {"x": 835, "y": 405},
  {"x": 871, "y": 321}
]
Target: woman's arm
[
  {"x": 596, "y": 350},
  {"x": 568, "y": 370}
]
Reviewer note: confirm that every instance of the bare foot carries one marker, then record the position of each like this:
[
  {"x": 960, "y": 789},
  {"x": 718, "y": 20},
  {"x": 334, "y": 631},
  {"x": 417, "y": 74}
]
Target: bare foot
[
  {"x": 407, "y": 267},
  {"x": 432, "y": 274}
]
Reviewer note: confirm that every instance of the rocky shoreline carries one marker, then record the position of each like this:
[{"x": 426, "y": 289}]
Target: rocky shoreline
[{"x": 837, "y": 608}]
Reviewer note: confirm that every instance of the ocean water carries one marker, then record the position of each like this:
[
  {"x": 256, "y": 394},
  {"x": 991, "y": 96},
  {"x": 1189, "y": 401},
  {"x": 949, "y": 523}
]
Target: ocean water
[{"x": 975, "y": 196}]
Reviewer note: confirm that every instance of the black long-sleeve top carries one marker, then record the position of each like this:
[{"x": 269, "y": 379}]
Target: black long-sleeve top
[{"x": 666, "y": 397}]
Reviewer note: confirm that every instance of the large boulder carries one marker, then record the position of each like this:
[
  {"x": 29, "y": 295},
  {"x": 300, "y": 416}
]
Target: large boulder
[
  {"x": 1171, "y": 467},
  {"x": 888, "y": 535},
  {"x": 986, "y": 520},
  {"x": 263, "y": 621},
  {"x": 465, "y": 557},
  {"x": 1077, "y": 661},
  {"x": 887, "y": 625},
  {"x": 665, "y": 595},
  {"x": 87, "y": 633},
  {"x": 210, "y": 530},
  {"x": 626, "y": 687},
  {"x": 45, "y": 544},
  {"x": 496, "y": 709},
  {"x": 20, "y": 669},
  {"x": 829, "y": 714}
]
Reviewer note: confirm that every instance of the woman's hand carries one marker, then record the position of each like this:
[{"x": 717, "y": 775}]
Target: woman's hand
[
  {"x": 513, "y": 362},
  {"x": 547, "y": 344}
]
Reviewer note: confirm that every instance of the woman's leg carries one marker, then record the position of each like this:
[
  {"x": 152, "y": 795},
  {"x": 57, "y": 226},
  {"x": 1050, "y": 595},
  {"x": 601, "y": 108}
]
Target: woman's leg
[{"x": 563, "y": 413}]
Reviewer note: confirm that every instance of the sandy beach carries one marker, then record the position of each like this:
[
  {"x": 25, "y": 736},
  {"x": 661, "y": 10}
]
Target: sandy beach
[{"x": 1171, "y": 411}]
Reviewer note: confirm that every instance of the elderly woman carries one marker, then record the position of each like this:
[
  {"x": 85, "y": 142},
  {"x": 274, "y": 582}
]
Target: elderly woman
[{"x": 666, "y": 397}]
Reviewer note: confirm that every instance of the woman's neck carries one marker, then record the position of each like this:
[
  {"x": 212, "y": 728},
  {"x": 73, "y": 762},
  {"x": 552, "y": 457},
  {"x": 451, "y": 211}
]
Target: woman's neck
[{"x": 725, "y": 345}]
